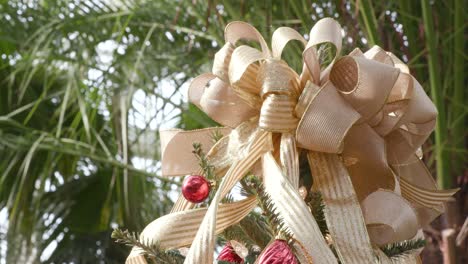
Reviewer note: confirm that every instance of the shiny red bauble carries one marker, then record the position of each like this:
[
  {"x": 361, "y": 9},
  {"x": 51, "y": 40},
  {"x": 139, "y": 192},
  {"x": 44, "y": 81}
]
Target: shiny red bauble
[
  {"x": 278, "y": 252},
  {"x": 228, "y": 254},
  {"x": 195, "y": 188}
]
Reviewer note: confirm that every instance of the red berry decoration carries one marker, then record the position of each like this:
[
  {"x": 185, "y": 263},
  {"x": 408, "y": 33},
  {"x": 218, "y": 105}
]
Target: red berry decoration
[
  {"x": 228, "y": 254},
  {"x": 278, "y": 252},
  {"x": 195, "y": 188}
]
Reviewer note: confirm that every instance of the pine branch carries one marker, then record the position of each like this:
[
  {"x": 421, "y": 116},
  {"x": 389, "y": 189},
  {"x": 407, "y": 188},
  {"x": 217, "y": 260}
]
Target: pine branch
[
  {"x": 208, "y": 169},
  {"x": 216, "y": 136},
  {"x": 252, "y": 230},
  {"x": 153, "y": 251},
  {"x": 256, "y": 227},
  {"x": 400, "y": 249},
  {"x": 236, "y": 232},
  {"x": 316, "y": 205},
  {"x": 274, "y": 219},
  {"x": 324, "y": 54}
]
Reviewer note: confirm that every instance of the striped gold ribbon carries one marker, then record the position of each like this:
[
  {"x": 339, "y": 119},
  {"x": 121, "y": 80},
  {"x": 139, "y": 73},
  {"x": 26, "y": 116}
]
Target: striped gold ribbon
[
  {"x": 295, "y": 212},
  {"x": 428, "y": 198},
  {"x": 342, "y": 210},
  {"x": 179, "y": 229},
  {"x": 290, "y": 159}
]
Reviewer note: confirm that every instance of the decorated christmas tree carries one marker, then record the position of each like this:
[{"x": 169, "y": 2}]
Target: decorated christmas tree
[{"x": 319, "y": 165}]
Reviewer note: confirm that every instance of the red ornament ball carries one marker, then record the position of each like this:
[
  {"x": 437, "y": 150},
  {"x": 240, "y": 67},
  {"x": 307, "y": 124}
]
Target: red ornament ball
[
  {"x": 195, "y": 188},
  {"x": 228, "y": 254},
  {"x": 278, "y": 252}
]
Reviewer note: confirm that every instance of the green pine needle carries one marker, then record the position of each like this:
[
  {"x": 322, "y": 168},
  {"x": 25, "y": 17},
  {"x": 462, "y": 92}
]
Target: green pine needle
[
  {"x": 208, "y": 169},
  {"x": 400, "y": 249},
  {"x": 316, "y": 205},
  {"x": 252, "y": 230},
  {"x": 216, "y": 136},
  {"x": 152, "y": 251},
  {"x": 237, "y": 233},
  {"x": 274, "y": 219}
]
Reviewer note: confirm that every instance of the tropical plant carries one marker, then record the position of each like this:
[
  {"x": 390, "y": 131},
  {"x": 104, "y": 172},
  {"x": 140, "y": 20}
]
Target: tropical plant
[{"x": 87, "y": 84}]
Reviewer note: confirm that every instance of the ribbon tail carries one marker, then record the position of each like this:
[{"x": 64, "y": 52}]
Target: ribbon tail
[
  {"x": 419, "y": 188},
  {"x": 343, "y": 213},
  {"x": 290, "y": 158},
  {"x": 429, "y": 198},
  {"x": 295, "y": 212},
  {"x": 178, "y": 229}
]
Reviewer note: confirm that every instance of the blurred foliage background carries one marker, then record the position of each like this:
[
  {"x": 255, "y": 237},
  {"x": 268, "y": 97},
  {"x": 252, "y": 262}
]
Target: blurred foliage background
[{"x": 87, "y": 84}]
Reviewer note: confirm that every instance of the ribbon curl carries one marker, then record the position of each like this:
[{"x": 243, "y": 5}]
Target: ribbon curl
[{"x": 361, "y": 120}]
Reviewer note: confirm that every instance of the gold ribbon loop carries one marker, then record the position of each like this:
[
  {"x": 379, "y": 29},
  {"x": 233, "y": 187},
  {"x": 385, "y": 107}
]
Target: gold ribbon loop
[
  {"x": 364, "y": 83},
  {"x": 366, "y": 162},
  {"x": 221, "y": 61},
  {"x": 376, "y": 53},
  {"x": 237, "y": 30},
  {"x": 243, "y": 69},
  {"x": 218, "y": 100},
  {"x": 415, "y": 126},
  {"x": 389, "y": 217},
  {"x": 281, "y": 37},
  {"x": 197, "y": 88},
  {"x": 279, "y": 93},
  {"x": 326, "y": 121},
  {"x": 326, "y": 30},
  {"x": 396, "y": 106},
  {"x": 277, "y": 77},
  {"x": 276, "y": 114}
]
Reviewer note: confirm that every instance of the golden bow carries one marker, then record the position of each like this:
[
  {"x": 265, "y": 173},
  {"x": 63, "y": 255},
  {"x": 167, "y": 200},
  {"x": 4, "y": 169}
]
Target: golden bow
[{"x": 361, "y": 121}]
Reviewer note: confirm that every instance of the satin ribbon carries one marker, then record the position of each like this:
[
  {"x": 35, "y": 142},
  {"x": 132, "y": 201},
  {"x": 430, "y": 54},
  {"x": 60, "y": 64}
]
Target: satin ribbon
[{"x": 361, "y": 119}]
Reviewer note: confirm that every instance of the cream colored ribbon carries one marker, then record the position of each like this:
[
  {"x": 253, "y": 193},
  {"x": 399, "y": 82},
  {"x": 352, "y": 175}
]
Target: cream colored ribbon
[
  {"x": 178, "y": 229},
  {"x": 295, "y": 212},
  {"x": 342, "y": 212},
  {"x": 361, "y": 119}
]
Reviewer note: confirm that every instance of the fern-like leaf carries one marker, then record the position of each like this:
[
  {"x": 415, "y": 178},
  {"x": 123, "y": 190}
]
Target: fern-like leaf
[
  {"x": 153, "y": 251},
  {"x": 316, "y": 205},
  {"x": 403, "y": 248},
  {"x": 274, "y": 219}
]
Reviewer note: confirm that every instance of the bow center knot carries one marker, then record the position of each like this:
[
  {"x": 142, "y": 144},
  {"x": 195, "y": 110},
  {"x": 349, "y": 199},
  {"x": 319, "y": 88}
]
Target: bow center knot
[{"x": 280, "y": 90}]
